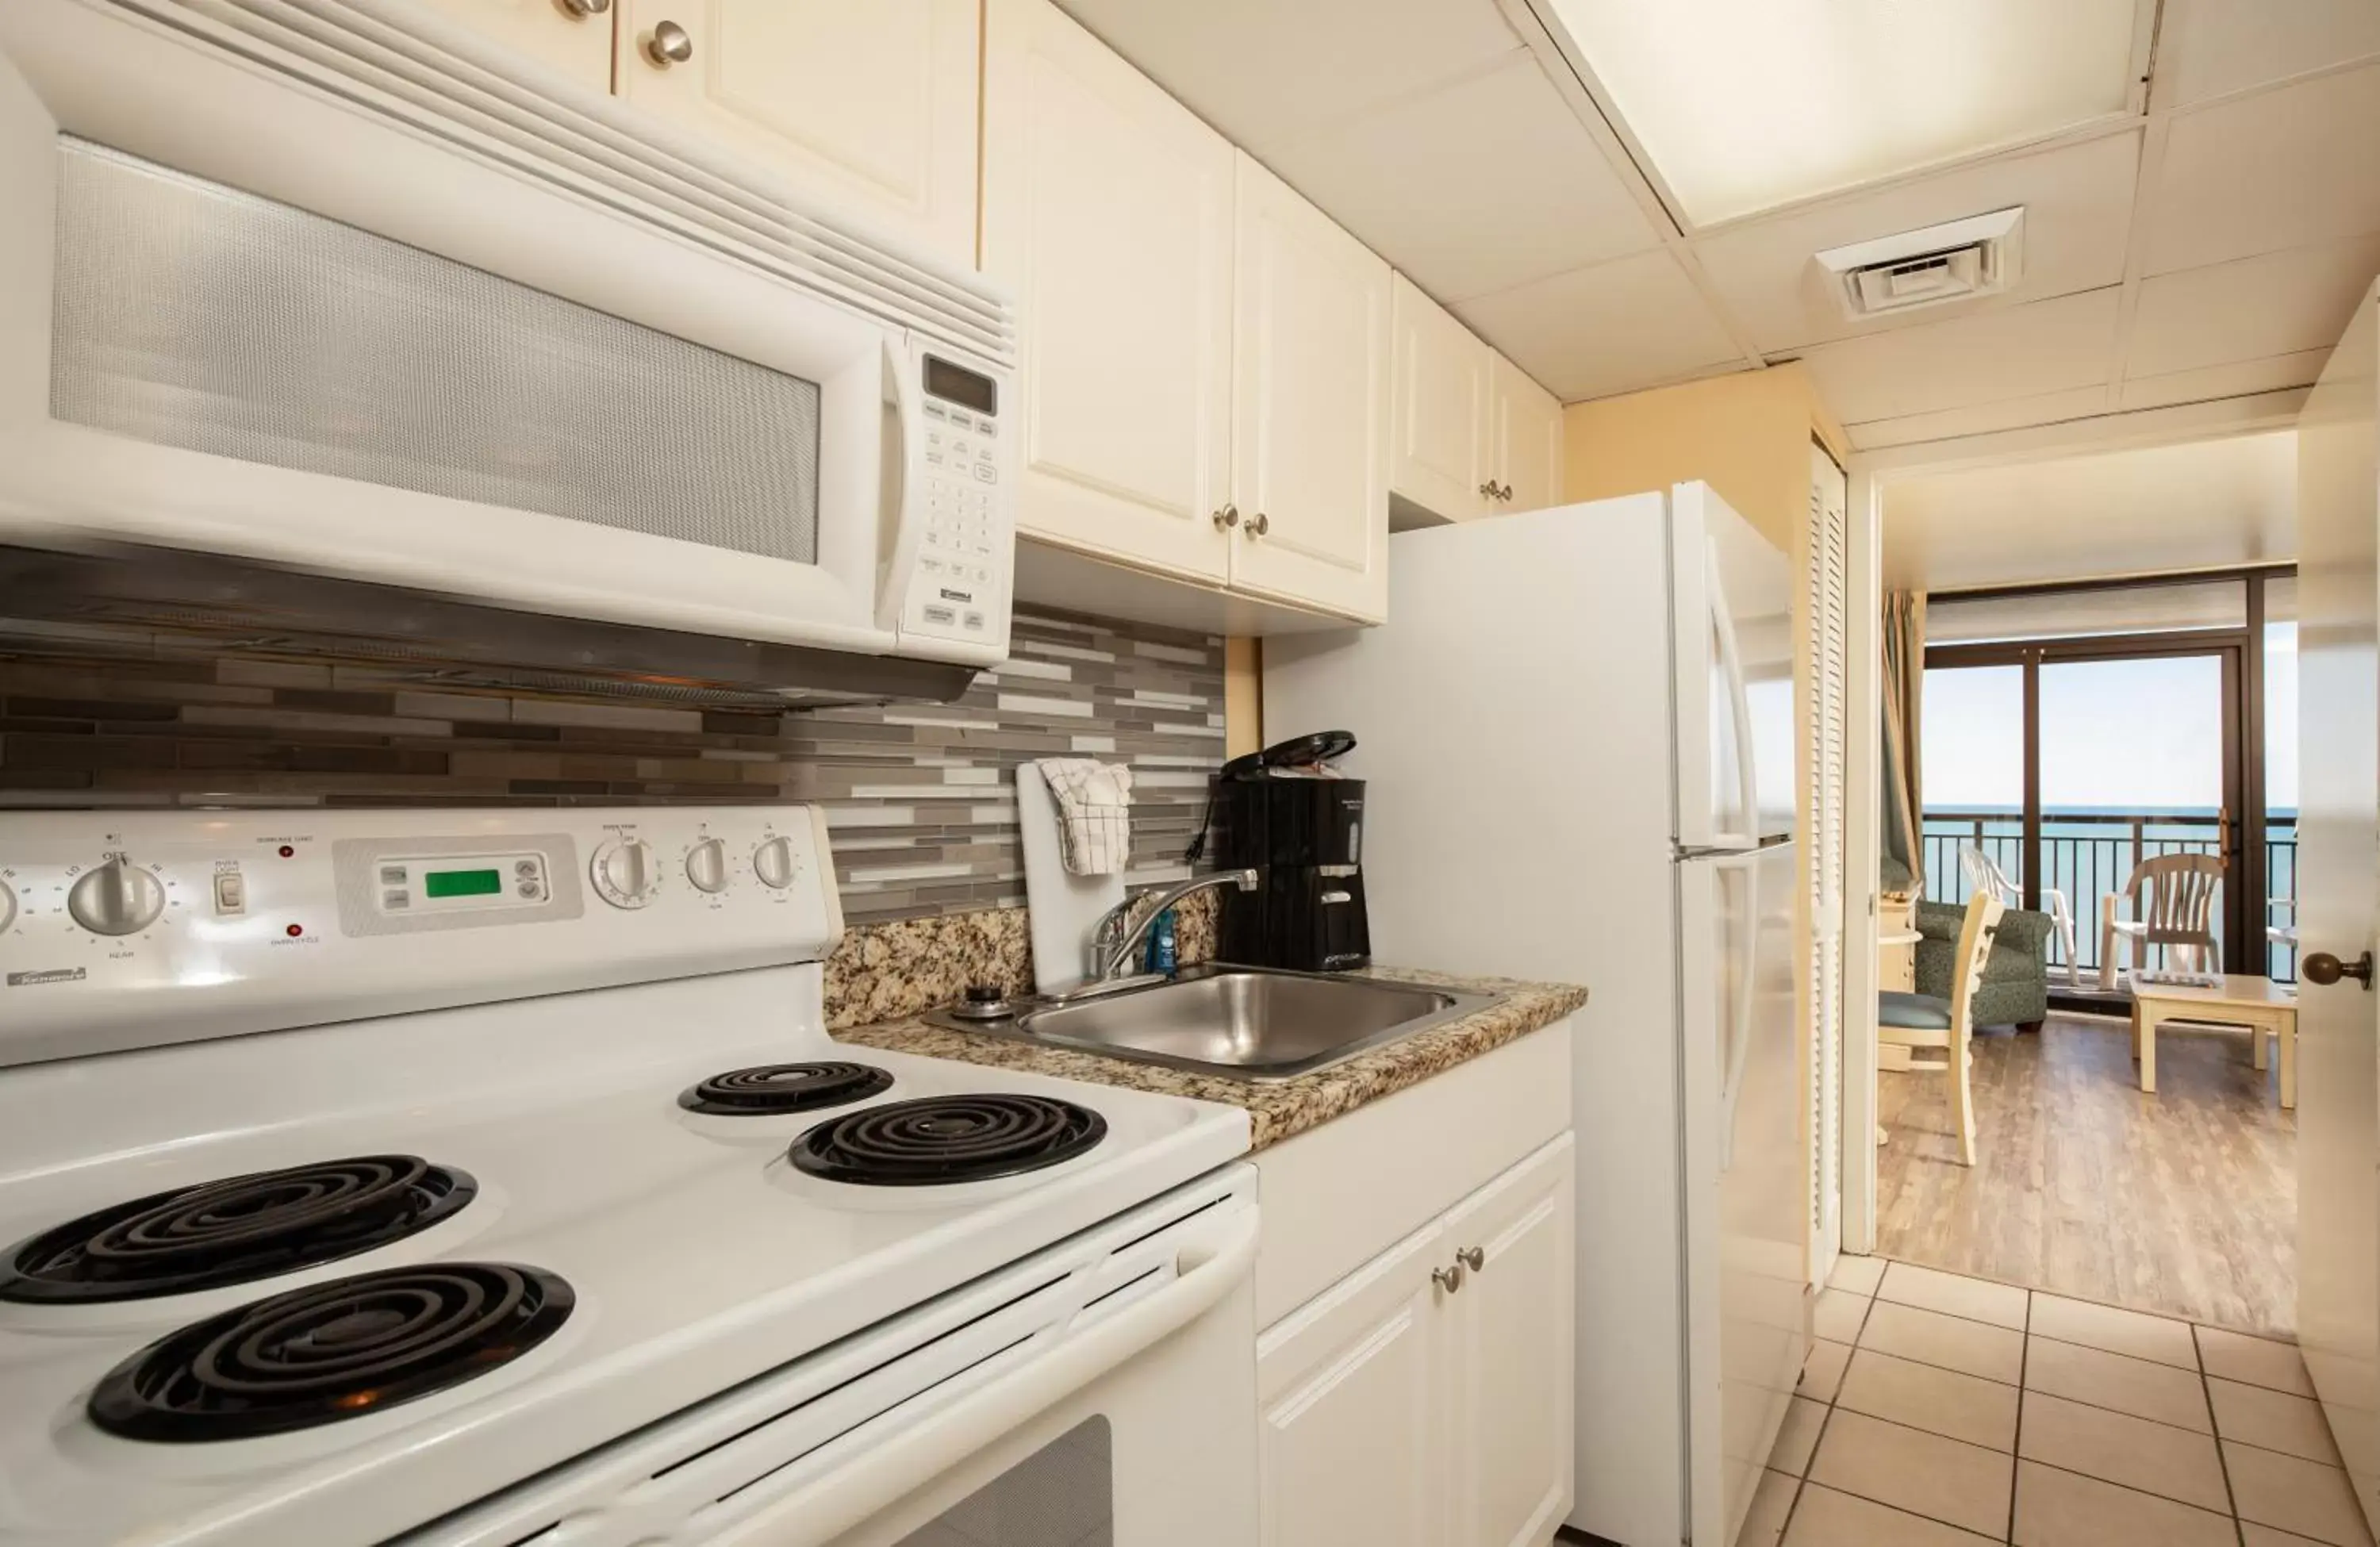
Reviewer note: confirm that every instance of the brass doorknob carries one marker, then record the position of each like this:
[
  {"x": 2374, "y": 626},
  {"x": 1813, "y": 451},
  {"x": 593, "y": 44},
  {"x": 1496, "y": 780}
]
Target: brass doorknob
[
  {"x": 668, "y": 45},
  {"x": 2324, "y": 968}
]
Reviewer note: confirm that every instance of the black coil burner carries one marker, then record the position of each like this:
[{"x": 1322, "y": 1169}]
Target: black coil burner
[
  {"x": 233, "y": 1231},
  {"x": 947, "y": 1138},
  {"x": 330, "y": 1351},
  {"x": 778, "y": 1088}
]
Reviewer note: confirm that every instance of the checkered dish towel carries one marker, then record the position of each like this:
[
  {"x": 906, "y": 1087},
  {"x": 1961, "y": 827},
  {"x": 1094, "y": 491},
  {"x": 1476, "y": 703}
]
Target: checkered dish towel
[{"x": 1094, "y": 812}]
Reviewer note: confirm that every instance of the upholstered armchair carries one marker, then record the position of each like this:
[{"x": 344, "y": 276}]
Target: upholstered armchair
[{"x": 2015, "y": 989}]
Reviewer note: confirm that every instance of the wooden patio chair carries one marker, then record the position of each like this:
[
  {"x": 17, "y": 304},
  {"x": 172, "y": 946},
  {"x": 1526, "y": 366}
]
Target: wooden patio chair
[
  {"x": 1923, "y": 1022},
  {"x": 1983, "y": 874},
  {"x": 2177, "y": 912}
]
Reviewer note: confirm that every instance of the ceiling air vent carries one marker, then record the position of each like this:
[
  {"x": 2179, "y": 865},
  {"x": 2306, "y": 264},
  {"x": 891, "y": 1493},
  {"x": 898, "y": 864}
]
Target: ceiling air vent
[{"x": 1979, "y": 256}]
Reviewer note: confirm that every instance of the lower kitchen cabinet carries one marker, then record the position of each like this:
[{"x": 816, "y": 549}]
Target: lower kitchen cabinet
[{"x": 1425, "y": 1398}]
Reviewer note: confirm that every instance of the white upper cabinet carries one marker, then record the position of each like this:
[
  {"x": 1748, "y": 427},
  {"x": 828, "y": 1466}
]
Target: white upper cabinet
[
  {"x": 1439, "y": 400},
  {"x": 1527, "y": 441},
  {"x": 1107, "y": 212},
  {"x": 871, "y": 106},
  {"x": 576, "y": 42},
  {"x": 1310, "y": 441}
]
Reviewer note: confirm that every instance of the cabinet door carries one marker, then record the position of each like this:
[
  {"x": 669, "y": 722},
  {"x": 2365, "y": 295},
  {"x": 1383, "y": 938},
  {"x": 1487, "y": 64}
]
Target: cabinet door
[
  {"x": 1528, "y": 453},
  {"x": 1352, "y": 1438},
  {"x": 1512, "y": 1331},
  {"x": 1108, "y": 211},
  {"x": 1310, "y": 406},
  {"x": 868, "y": 105},
  {"x": 578, "y": 47},
  {"x": 1438, "y": 428}
]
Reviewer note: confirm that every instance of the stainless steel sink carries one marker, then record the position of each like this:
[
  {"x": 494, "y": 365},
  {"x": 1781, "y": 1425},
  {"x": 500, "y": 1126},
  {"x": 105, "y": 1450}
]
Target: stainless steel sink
[{"x": 1239, "y": 1022}]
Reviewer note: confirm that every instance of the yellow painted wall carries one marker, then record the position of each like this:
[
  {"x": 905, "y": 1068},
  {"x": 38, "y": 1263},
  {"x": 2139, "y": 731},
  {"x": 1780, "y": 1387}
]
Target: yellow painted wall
[
  {"x": 1243, "y": 696},
  {"x": 1747, "y": 434}
]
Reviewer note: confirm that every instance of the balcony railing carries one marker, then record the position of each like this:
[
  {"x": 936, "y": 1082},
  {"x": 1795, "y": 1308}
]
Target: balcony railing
[{"x": 2089, "y": 854}]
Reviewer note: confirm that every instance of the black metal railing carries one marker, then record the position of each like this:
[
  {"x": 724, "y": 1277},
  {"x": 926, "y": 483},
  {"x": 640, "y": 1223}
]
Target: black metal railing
[{"x": 2088, "y": 855}]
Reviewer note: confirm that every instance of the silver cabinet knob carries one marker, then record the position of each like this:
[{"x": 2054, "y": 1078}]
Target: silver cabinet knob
[
  {"x": 774, "y": 863},
  {"x": 1488, "y": 490},
  {"x": 1259, "y": 524},
  {"x": 1448, "y": 1279},
  {"x": 116, "y": 898},
  {"x": 669, "y": 45},
  {"x": 582, "y": 9},
  {"x": 1227, "y": 517},
  {"x": 1472, "y": 1258},
  {"x": 706, "y": 865}
]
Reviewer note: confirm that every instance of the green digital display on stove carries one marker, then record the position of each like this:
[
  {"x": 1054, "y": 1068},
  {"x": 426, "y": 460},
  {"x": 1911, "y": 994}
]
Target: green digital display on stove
[{"x": 461, "y": 884}]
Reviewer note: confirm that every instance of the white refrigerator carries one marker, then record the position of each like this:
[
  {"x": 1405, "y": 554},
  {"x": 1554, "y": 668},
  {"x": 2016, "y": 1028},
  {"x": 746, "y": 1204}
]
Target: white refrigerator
[{"x": 1578, "y": 728}]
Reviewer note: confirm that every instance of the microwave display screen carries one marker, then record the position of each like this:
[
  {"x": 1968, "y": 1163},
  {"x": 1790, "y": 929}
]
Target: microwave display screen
[{"x": 956, "y": 384}]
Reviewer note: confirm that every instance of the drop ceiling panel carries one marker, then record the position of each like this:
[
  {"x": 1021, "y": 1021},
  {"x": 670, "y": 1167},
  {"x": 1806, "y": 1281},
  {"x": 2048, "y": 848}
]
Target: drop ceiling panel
[
  {"x": 2019, "y": 351},
  {"x": 2275, "y": 304},
  {"x": 2241, "y": 379},
  {"x": 2209, "y": 47},
  {"x": 2077, "y": 200},
  {"x": 1981, "y": 419},
  {"x": 1474, "y": 187},
  {"x": 1265, "y": 72},
  {"x": 2290, "y": 167},
  {"x": 1618, "y": 326}
]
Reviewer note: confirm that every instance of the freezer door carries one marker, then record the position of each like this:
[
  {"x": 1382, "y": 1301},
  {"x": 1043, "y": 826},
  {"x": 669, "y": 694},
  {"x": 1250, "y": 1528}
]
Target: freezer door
[
  {"x": 1732, "y": 653},
  {"x": 1747, "y": 1174}
]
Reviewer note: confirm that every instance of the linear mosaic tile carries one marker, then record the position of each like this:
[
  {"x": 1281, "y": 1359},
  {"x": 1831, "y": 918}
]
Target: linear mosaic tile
[{"x": 920, "y": 799}]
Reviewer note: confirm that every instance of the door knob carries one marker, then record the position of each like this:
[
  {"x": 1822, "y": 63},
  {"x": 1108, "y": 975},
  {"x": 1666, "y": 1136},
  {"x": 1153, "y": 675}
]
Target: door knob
[
  {"x": 1472, "y": 1258},
  {"x": 1227, "y": 517},
  {"x": 2324, "y": 968},
  {"x": 1448, "y": 1279},
  {"x": 668, "y": 45}
]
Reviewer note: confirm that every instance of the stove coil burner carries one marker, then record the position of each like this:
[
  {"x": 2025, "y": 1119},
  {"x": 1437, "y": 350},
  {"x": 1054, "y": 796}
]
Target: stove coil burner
[
  {"x": 233, "y": 1231},
  {"x": 947, "y": 1138},
  {"x": 330, "y": 1351},
  {"x": 778, "y": 1088}
]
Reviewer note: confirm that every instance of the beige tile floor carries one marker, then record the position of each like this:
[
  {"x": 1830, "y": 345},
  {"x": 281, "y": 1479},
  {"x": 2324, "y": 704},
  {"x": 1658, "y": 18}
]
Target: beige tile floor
[{"x": 1943, "y": 1411}]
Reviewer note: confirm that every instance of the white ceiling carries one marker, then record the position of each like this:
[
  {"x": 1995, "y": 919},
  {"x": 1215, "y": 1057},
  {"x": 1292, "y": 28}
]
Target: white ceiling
[
  {"x": 2193, "y": 506},
  {"x": 2209, "y": 245}
]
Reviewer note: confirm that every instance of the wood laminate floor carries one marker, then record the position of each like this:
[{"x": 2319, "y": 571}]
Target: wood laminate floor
[{"x": 2184, "y": 1203}]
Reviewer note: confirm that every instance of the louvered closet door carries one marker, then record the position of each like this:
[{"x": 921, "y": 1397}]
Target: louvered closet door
[{"x": 1827, "y": 635}]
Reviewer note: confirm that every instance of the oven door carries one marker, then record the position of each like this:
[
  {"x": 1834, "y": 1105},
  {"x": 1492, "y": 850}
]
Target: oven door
[{"x": 490, "y": 365}]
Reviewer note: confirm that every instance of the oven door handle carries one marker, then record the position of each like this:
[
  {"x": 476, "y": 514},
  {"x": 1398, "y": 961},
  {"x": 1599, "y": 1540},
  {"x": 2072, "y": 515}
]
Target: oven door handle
[{"x": 857, "y": 1486}]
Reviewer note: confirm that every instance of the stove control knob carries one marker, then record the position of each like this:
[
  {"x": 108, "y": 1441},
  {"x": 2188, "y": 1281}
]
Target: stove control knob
[
  {"x": 776, "y": 863},
  {"x": 706, "y": 865},
  {"x": 8, "y": 907},
  {"x": 622, "y": 873},
  {"x": 116, "y": 898}
]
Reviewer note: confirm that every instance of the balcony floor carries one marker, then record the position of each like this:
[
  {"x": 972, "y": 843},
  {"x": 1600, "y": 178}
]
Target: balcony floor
[{"x": 2184, "y": 1203}]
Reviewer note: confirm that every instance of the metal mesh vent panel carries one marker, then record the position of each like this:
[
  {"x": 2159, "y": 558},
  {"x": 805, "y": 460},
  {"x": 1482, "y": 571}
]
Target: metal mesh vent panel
[{"x": 194, "y": 315}]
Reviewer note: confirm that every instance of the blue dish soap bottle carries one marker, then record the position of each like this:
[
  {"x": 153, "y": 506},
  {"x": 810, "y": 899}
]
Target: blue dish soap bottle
[{"x": 1162, "y": 948}]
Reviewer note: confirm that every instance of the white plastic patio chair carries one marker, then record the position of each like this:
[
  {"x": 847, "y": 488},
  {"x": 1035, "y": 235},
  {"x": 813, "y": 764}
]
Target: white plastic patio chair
[
  {"x": 2176, "y": 912},
  {"x": 1983, "y": 874}
]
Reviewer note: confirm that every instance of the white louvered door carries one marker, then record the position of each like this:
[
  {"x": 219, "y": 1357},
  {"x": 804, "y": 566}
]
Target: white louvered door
[{"x": 1827, "y": 579}]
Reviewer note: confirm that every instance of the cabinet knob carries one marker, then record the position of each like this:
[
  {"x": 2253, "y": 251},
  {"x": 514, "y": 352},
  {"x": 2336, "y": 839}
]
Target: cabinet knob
[
  {"x": 1472, "y": 1258},
  {"x": 1259, "y": 524},
  {"x": 1227, "y": 517},
  {"x": 1488, "y": 490},
  {"x": 1504, "y": 491},
  {"x": 668, "y": 45},
  {"x": 1448, "y": 1279},
  {"x": 582, "y": 9}
]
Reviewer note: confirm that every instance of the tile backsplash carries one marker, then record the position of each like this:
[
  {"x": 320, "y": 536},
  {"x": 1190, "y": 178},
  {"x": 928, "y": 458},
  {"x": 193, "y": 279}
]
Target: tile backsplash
[{"x": 921, "y": 799}]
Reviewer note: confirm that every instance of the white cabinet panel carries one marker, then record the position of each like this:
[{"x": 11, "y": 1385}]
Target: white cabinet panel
[
  {"x": 1352, "y": 1432},
  {"x": 577, "y": 46},
  {"x": 1527, "y": 440},
  {"x": 1108, "y": 209},
  {"x": 1511, "y": 1385},
  {"x": 1309, "y": 454},
  {"x": 871, "y": 105},
  {"x": 1438, "y": 429}
]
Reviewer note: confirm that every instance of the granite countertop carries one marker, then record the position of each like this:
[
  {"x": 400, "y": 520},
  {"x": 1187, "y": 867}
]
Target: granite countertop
[{"x": 1280, "y": 1108}]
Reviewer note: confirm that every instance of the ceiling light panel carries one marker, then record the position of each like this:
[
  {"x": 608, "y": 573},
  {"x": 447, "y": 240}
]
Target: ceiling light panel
[{"x": 1743, "y": 105}]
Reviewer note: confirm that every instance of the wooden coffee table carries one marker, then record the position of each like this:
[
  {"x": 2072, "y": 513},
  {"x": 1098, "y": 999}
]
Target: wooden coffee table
[{"x": 2266, "y": 1008}]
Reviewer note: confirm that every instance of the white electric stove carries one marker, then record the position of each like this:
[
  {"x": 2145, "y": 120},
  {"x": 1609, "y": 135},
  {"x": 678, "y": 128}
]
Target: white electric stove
[{"x": 488, "y": 1176}]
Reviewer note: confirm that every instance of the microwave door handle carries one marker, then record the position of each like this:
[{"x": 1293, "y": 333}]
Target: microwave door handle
[{"x": 897, "y": 539}]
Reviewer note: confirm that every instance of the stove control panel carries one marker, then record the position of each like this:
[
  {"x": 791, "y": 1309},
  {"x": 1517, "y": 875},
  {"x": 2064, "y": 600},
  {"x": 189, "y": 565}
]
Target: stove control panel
[{"x": 127, "y": 929}]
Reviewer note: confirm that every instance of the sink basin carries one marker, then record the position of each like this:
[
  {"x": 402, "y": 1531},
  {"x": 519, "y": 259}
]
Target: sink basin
[{"x": 1240, "y": 1022}]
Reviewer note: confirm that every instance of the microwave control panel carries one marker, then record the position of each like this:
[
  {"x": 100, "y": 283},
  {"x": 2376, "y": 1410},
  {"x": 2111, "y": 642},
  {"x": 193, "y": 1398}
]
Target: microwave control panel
[{"x": 964, "y": 506}]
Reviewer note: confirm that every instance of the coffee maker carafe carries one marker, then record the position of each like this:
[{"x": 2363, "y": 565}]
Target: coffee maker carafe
[{"x": 1287, "y": 814}]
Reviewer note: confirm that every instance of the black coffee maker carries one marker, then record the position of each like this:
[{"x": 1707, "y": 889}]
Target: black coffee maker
[{"x": 1283, "y": 813}]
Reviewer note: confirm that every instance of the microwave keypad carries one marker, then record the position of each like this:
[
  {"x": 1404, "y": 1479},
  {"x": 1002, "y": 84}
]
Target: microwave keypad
[{"x": 956, "y": 561}]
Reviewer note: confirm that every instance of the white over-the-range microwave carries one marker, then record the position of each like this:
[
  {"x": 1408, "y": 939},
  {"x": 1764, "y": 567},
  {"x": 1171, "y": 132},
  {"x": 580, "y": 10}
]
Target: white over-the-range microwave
[{"x": 330, "y": 286}]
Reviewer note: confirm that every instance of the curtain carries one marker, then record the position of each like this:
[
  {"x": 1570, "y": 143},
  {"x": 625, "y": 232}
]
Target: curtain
[{"x": 1903, "y": 805}]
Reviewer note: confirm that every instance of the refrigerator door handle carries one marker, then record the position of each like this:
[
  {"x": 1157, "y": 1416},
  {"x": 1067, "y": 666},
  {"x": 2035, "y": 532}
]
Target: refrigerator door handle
[
  {"x": 1739, "y": 695},
  {"x": 1747, "y": 948}
]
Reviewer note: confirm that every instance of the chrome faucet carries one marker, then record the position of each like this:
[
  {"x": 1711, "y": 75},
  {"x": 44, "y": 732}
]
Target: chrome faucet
[{"x": 1113, "y": 943}]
